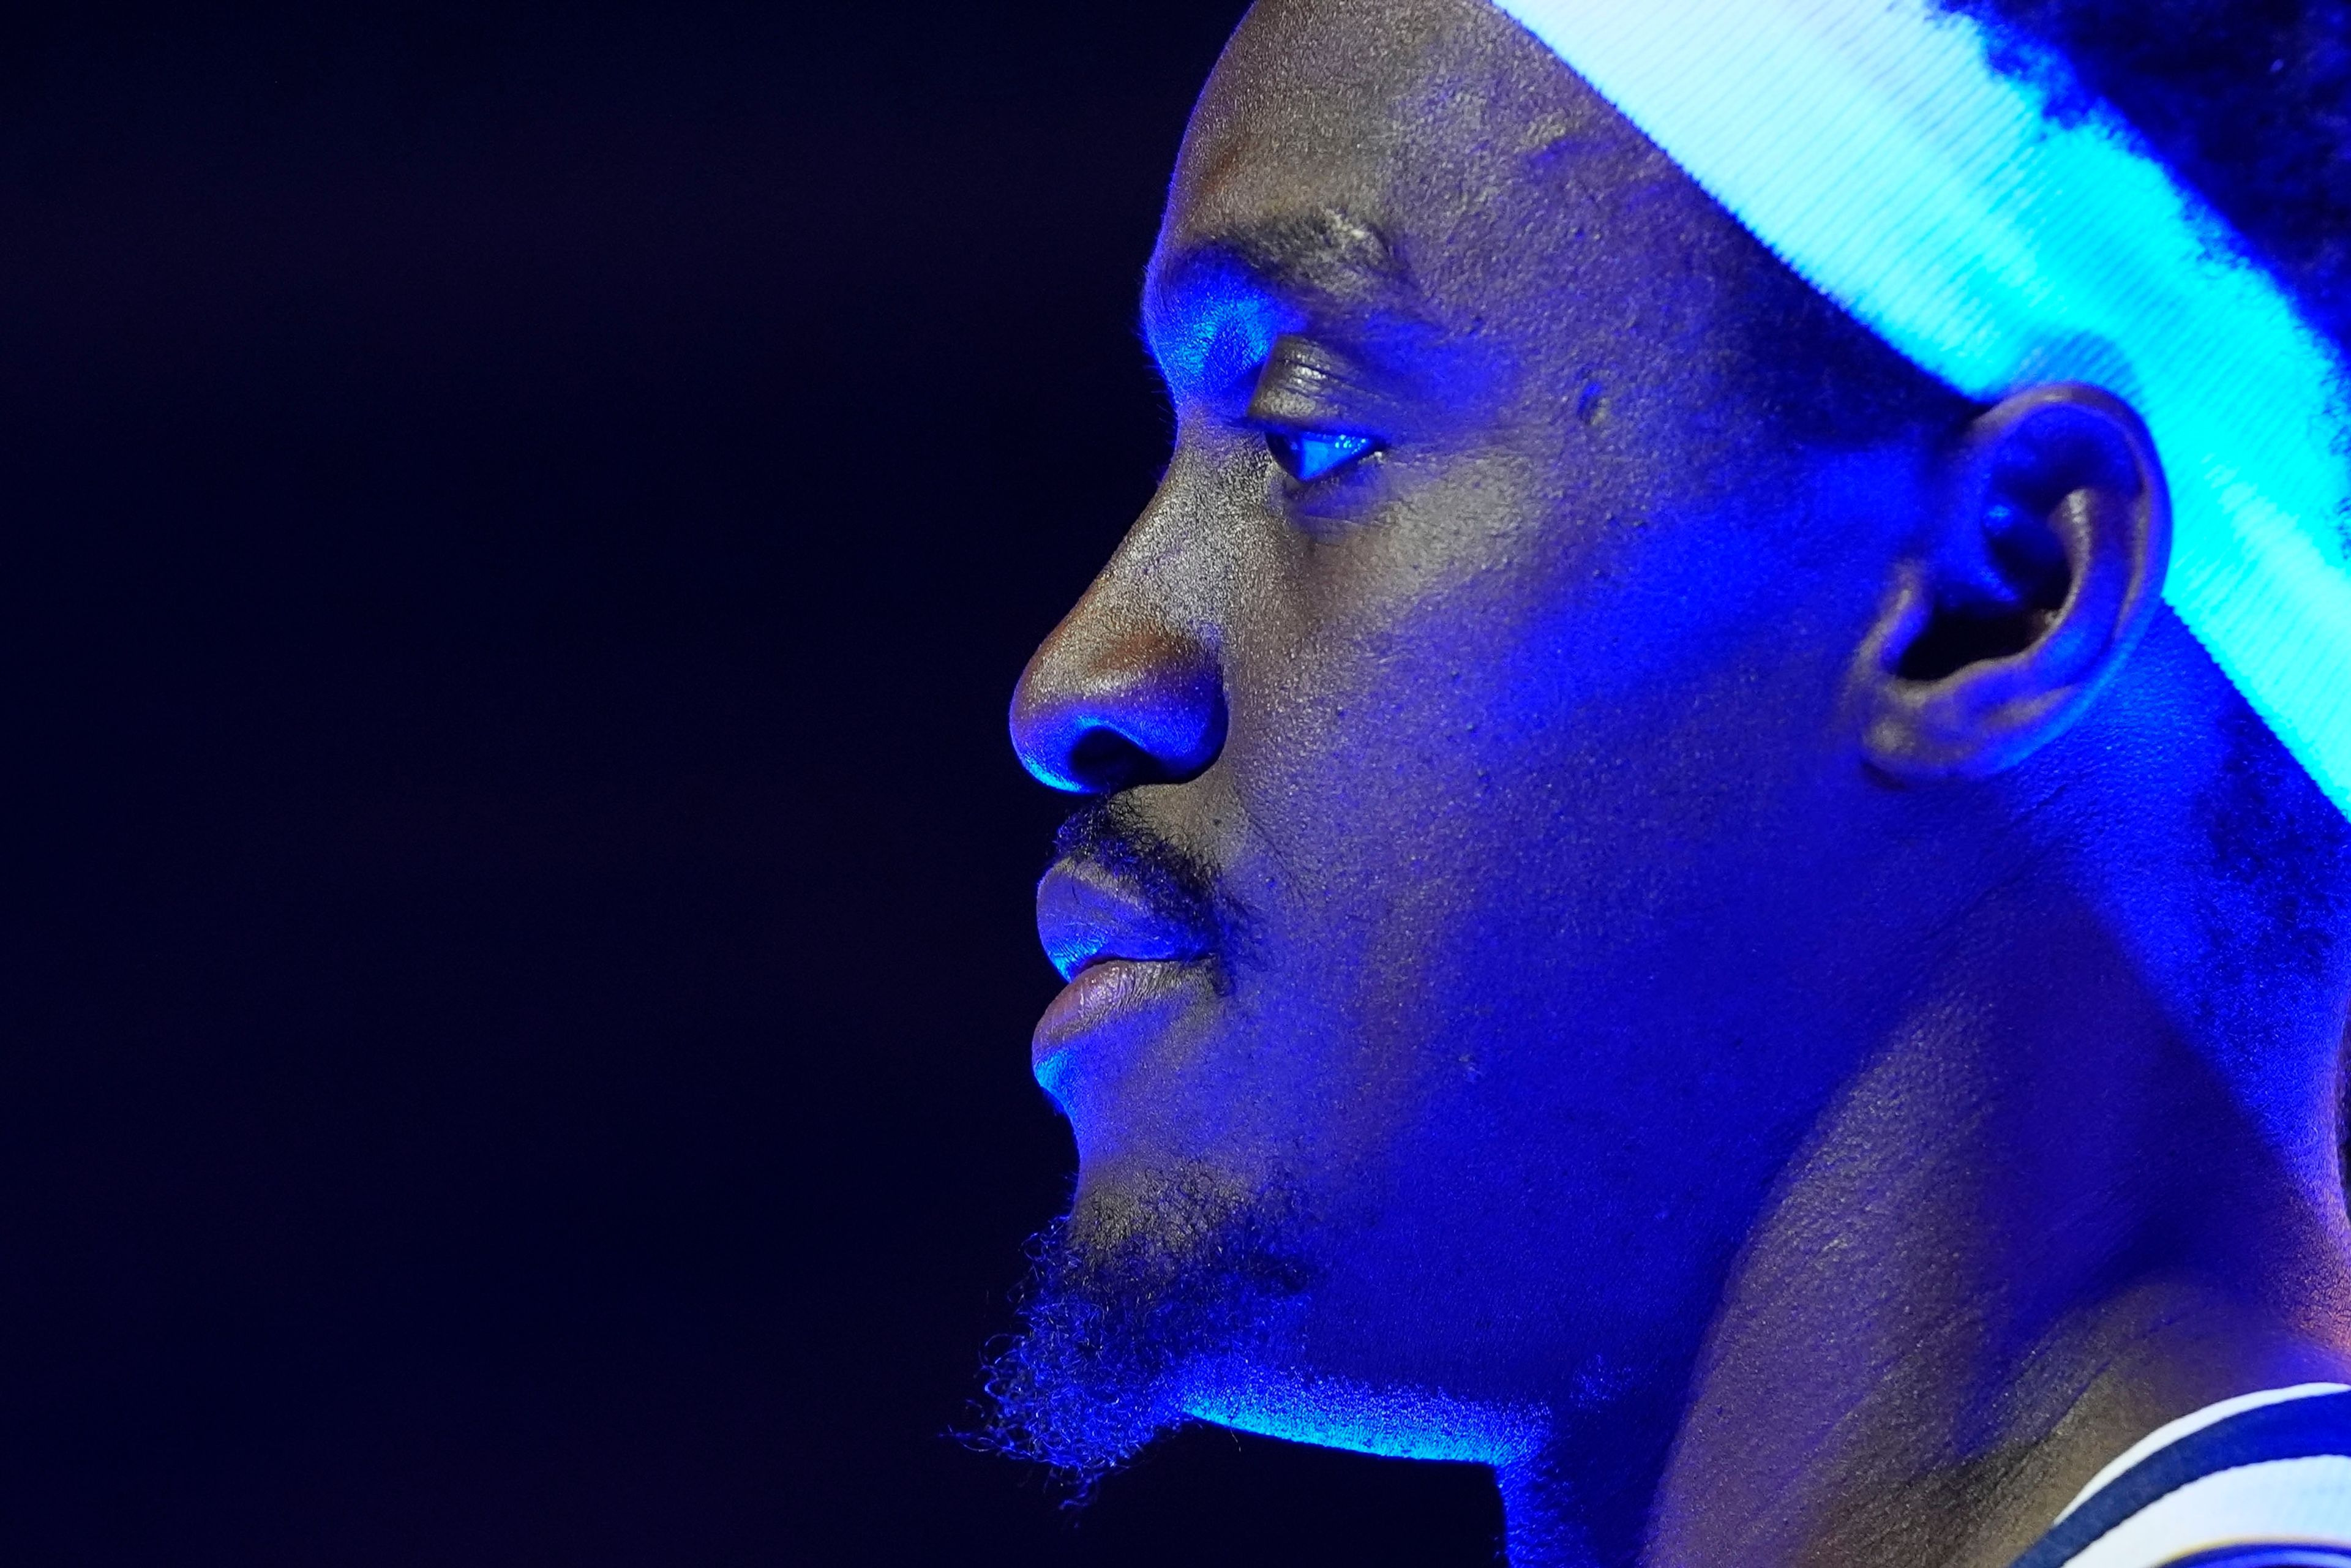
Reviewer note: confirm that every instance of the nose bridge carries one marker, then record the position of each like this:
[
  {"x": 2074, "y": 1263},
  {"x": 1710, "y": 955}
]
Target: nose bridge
[{"x": 1128, "y": 688}]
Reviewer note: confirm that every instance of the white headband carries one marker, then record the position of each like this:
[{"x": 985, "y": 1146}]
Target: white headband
[{"x": 1872, "y": 145}]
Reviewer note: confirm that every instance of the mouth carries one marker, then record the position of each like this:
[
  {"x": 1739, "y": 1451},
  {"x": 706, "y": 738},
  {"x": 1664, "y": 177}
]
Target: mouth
[{"x": 1127, "y": 959}]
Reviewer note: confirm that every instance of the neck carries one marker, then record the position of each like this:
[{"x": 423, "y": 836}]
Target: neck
[{"x": 2039, "y": 1223}]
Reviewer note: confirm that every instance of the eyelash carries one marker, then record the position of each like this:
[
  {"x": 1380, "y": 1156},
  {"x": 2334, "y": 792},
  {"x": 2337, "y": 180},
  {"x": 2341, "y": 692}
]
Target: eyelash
[{"x": 1310, "y": 454}]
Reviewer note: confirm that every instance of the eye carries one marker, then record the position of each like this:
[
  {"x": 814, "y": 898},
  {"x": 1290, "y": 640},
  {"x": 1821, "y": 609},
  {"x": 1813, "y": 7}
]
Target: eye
[{"x": 1311, "y": 454}]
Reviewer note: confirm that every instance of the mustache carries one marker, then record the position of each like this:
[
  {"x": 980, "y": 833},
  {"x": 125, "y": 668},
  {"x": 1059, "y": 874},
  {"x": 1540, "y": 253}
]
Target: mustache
[{"x": 1181, "y": 888}]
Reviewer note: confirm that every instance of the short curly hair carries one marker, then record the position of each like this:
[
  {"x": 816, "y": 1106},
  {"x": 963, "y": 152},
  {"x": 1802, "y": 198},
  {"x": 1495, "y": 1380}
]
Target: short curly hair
[{"x": 2249, "y": 101}]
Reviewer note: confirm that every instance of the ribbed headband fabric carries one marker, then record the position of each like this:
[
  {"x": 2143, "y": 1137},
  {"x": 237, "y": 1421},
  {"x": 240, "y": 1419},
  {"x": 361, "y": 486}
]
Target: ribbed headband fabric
[{"x": 1872, "y": 146}]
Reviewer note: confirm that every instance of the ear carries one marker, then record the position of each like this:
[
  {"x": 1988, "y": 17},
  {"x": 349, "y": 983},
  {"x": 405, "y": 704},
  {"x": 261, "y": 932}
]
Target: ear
[{"x": 2050, "y": 535}]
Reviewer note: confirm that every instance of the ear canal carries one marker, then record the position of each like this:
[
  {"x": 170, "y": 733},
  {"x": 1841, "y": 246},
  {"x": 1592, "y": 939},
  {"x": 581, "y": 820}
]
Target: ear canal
[
  {"x": 2001, "y": 612},
  {"x": 2052, "y": 538}
]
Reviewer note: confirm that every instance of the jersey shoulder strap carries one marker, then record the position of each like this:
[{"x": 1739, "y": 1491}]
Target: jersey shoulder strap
[{"x": 2316, "y": 1427}]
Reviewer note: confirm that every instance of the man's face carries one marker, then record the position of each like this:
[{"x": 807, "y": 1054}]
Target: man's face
[{"x": 1461, "y": 921}]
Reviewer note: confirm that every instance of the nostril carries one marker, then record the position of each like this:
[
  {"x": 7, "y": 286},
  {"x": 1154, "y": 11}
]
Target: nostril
[
  {"x": 1113, "y": 701},
  {"x": 1102, "y": 760}
]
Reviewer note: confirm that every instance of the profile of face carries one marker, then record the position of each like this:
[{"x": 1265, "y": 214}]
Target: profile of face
[{"x": 1497, "y": 842}]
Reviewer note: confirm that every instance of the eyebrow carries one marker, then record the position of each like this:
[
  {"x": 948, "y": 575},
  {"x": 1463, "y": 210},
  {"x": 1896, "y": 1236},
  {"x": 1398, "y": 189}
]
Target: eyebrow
[
  {"x": 1212, "y": 311},
  {"x": 1327, "y": 251}
]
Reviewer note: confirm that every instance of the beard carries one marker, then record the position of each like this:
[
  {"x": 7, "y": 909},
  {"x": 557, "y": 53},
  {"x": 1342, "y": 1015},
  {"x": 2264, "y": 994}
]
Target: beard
[{"x": 1129, "y": 1295}]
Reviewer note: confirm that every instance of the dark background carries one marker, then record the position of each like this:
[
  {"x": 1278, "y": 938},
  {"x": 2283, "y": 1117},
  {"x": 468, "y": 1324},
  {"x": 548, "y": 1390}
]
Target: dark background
[{"x": 520, "y": 526}]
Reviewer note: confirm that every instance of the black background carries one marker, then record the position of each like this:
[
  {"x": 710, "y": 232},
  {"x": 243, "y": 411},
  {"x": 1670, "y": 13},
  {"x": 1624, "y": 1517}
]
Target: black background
[{"x": 521, "y": 523}]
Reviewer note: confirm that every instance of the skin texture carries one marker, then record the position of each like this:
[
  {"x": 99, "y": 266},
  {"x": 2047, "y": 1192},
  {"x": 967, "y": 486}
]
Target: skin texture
[{"x": 1783, "y": 1000}]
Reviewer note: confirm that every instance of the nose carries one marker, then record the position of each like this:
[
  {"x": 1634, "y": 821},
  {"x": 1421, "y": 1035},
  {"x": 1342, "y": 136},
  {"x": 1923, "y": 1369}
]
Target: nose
[{"x": 1118, "y": 696}]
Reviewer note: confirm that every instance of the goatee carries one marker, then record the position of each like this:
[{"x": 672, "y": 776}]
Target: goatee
[{"x": 1128, "y": 1296}]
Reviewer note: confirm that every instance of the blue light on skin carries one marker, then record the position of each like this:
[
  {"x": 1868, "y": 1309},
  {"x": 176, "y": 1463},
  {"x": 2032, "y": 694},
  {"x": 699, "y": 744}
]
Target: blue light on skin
[
  {"x": 1220, "y": 335},
  {"x": 1404, "y": 1424}
]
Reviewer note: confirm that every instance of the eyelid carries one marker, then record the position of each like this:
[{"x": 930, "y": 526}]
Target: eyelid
[{"x": 1298, "y": 383}]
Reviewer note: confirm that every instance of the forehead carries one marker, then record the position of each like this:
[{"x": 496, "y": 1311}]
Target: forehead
[{"x": 1421, "y": 159}]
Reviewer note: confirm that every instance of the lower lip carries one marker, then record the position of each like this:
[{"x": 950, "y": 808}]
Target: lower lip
[{"x": 1114, "y": 995}]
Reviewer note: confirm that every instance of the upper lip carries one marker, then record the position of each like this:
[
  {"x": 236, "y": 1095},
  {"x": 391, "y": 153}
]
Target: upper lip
[{"x": 1088, "y": 914}]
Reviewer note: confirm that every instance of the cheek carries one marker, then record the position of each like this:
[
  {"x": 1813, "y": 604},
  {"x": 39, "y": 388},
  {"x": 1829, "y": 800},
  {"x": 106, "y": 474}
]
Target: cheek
[
  {"x": 1483, "y": 787},
  {"x": 1497, "y": 794}
]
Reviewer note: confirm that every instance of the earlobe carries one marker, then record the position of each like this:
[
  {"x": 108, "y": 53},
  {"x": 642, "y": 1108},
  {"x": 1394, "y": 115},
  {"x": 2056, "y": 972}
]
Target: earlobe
[{"x": 2051, "y": 535}]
